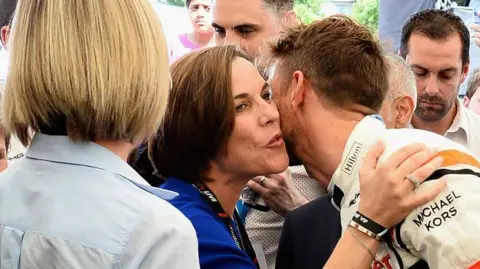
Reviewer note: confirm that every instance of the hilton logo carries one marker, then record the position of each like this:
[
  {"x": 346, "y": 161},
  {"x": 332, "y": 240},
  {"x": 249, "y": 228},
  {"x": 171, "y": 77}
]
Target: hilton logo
[{"x": 352, "y": 157}]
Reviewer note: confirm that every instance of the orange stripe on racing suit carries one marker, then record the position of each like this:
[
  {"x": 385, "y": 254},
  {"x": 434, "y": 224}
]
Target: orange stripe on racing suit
[{"x": 455, "y": 157}]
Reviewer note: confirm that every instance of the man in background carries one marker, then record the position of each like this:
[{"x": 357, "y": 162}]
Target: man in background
[
  {"x": 472, "y": 97},
  {"x": 436, "y": 44},
  {"x": 251, "y": 23},
  {"x": 199, "y": 12}
]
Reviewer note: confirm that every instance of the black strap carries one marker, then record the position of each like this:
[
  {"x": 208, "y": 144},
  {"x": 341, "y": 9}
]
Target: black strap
[
  {"x": 369, "y": 224},
  {"x": 243, "y": 242}
]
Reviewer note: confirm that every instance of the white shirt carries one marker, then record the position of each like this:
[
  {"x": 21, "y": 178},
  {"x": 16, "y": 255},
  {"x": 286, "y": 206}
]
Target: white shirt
[
  {"x": 465, "y": 129},
  {"x": 78, "y": 205},
  {"x": 444, "y": 231},
  {"x": 265, "y": 228}
]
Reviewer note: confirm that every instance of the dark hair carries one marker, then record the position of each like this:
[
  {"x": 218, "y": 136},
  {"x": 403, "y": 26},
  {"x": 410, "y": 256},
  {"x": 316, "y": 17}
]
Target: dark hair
[
  {"x": 7, "y": 8},
  {"x": 473, "y": 83},
  {"x": 200, "y": 115},
  {"x": 7, "y": 139},
  {"x": 279, "y": 5},
  {"x": 341, "y": 58},
  {"x": 437, "y": 25},
  {"x": 187, "y": 3}
]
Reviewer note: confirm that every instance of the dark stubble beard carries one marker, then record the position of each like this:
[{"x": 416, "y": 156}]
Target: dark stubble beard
[{"x": 434, "y": 114}]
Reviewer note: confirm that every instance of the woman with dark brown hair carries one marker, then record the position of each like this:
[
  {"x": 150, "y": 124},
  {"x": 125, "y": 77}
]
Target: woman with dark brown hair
[{"x": 221, "y": 129}]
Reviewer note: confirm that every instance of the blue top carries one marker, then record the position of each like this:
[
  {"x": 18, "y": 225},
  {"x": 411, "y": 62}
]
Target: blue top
[{"x": 217, "y": 250}]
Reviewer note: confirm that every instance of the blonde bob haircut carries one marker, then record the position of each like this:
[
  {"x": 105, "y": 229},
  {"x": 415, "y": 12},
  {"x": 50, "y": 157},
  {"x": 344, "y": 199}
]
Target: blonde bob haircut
[{"x": 101, "y": 67}]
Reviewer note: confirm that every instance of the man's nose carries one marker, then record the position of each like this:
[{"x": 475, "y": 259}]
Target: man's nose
[
  {"x": 231, "y": 38},
  {"x": 432, "y": 85}
]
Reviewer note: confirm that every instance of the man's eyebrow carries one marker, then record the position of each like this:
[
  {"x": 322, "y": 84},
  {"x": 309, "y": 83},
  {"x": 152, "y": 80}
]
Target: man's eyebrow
[
  {"x": 238, "y": 26},
  {"x": 418, "y": 66},
  {"x": 450, "y": 69},
  {"x": 253, "y": 25},
  {"x": 215, "y": 25}
]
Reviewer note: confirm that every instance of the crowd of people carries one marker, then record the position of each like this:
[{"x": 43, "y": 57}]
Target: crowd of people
[{"x": 255, "y": 141}]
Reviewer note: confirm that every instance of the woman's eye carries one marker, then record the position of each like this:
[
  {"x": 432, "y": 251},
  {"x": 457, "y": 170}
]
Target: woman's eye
[
  {"x": 240, "y": 107},
  {"x": 267, "y": 95}
]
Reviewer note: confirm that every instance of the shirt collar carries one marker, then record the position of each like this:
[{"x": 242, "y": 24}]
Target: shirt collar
[
  {"x": 459, "y": 122},
  {"x": 363, "y": 137},
  {"x": 182, "y": 187},
  {"x": 61, "y": 149}
]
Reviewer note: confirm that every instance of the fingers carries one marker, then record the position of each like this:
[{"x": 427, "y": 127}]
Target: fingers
[
  {"x": 397, "y": 158},
  {"x": 416, "y": 161},
  {"x": 427, "y": 193},
  {"x": 422, "y": 173},
  {"x": 371, "y": 158},
  {"x": 252, "y": 184}
]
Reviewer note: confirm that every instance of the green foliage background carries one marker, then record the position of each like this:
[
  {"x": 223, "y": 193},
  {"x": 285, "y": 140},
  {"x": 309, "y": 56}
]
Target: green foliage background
[
  {"x": 309, "y": 10},
  {"x": 364, "y": 11},
  {"x": 178, "y": 3}
]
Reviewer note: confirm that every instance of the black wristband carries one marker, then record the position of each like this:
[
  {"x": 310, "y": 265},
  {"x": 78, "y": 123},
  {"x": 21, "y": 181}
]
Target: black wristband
[{"x": 369, "y": 224}]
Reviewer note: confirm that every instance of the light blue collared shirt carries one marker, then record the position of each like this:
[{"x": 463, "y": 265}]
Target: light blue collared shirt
[{"x": 78, "y": 205}]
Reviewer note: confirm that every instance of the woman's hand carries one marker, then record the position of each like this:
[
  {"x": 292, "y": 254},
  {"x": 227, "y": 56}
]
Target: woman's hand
[{"x": 387, "y": 197}]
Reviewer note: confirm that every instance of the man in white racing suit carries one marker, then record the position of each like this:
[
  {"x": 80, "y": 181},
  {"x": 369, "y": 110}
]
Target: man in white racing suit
[
  {"x": 443, "y": 232},
  {"x": 330, "y": 82}
]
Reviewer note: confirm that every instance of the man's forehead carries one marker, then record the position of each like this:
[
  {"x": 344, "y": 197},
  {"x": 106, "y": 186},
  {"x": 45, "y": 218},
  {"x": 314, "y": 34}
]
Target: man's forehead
[{"x": 230, "y": 13}]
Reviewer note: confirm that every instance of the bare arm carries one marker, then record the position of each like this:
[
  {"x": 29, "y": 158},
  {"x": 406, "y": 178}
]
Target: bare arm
[{"x": 350, "y": 254}]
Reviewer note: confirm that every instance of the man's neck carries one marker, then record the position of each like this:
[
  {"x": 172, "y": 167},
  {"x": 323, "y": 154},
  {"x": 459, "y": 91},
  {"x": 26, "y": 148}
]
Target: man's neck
[
  {"x": 440, "y": 127},
  {"x": 227, "y": 189},
  {"x": 201, "y": 40},
  {"x": 322, "y": 154}
]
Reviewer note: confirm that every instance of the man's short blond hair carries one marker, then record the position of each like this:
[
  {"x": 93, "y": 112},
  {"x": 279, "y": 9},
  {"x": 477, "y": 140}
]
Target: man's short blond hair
[{"x": 100, "y": 66}]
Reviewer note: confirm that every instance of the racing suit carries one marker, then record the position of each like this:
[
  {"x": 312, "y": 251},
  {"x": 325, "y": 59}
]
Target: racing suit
[{"x": 445, "y": 233}]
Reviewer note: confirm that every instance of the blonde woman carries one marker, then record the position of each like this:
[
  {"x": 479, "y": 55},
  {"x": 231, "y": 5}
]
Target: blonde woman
[{"x": 90, "y": 78}]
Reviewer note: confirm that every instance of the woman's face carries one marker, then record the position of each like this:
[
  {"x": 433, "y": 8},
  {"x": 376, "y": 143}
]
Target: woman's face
[{"x": 256, "y": 145}]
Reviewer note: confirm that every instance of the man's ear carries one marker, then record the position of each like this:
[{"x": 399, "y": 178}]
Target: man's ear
[
  {"x": 4, "y": 35},
  {"x": 405, "y": 107},
  {"x": 290, "y": 18},
  {"x": 465, "y": 70},
  {"x": 297, "y": 96},
  {"x": 466, "y": 101}
]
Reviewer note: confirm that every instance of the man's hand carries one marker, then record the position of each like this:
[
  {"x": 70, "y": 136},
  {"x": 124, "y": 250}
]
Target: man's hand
[{"x": 278, "y": 192}]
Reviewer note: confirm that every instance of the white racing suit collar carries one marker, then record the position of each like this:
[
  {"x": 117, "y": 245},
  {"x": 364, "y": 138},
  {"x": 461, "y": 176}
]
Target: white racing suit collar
[{"x": 367, "y": 132}]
